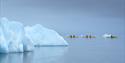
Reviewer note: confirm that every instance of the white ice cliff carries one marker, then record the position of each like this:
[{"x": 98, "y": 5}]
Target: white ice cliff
[
  {"x": 14, "y": 37},
  {"x": 42, "y": 36}
]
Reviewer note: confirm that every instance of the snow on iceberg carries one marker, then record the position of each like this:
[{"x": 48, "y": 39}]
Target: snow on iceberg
[
  {"x": 14, "y": 37},
  {"x": 42, "y": 36}
]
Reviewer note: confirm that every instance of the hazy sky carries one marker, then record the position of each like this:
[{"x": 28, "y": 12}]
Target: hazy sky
[{"x": 68, "y": 16}]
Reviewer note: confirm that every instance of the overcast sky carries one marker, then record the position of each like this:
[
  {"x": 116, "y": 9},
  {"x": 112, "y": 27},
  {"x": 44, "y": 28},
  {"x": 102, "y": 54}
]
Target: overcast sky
[{"x": 65, "y": 16}]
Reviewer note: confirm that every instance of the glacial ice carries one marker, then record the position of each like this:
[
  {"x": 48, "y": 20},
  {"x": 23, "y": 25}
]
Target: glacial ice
[
  {"x": 14, "y": 37},
  {"x": 42, "y": 36}
]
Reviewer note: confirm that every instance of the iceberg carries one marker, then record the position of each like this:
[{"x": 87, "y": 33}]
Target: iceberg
[
  {"x": 42, "y": 36},
  {"x": 3, "y": 45},
  {"x": 14, "y": 37},
  {"x": 109, "y": 36}
]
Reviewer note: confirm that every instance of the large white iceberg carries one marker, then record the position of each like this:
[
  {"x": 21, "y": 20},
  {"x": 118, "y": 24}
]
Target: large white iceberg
[
  {"x": 14, "y": 37},
  {"x": 42, "y": 36}
]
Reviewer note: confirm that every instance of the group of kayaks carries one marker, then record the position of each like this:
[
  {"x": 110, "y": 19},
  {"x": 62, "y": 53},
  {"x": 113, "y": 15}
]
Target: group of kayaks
[{"x": 92, "y": 36}]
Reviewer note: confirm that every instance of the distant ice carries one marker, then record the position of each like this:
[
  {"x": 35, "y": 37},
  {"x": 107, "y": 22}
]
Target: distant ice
[{"x": 107, "y": 35}]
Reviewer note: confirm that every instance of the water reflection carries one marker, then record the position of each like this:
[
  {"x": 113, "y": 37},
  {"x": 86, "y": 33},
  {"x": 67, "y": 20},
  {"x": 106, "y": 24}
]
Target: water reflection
[
  {"x": 11, "y": 58},
  {"x": 39, "y": 55}
]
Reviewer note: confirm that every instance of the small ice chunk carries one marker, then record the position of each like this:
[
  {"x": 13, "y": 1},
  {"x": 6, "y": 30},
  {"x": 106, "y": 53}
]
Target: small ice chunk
[{"x": 107, "y": 35}]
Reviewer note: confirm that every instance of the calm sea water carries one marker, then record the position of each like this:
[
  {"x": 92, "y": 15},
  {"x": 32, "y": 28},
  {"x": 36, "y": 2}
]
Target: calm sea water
[{"x": 97, "y": 50}]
